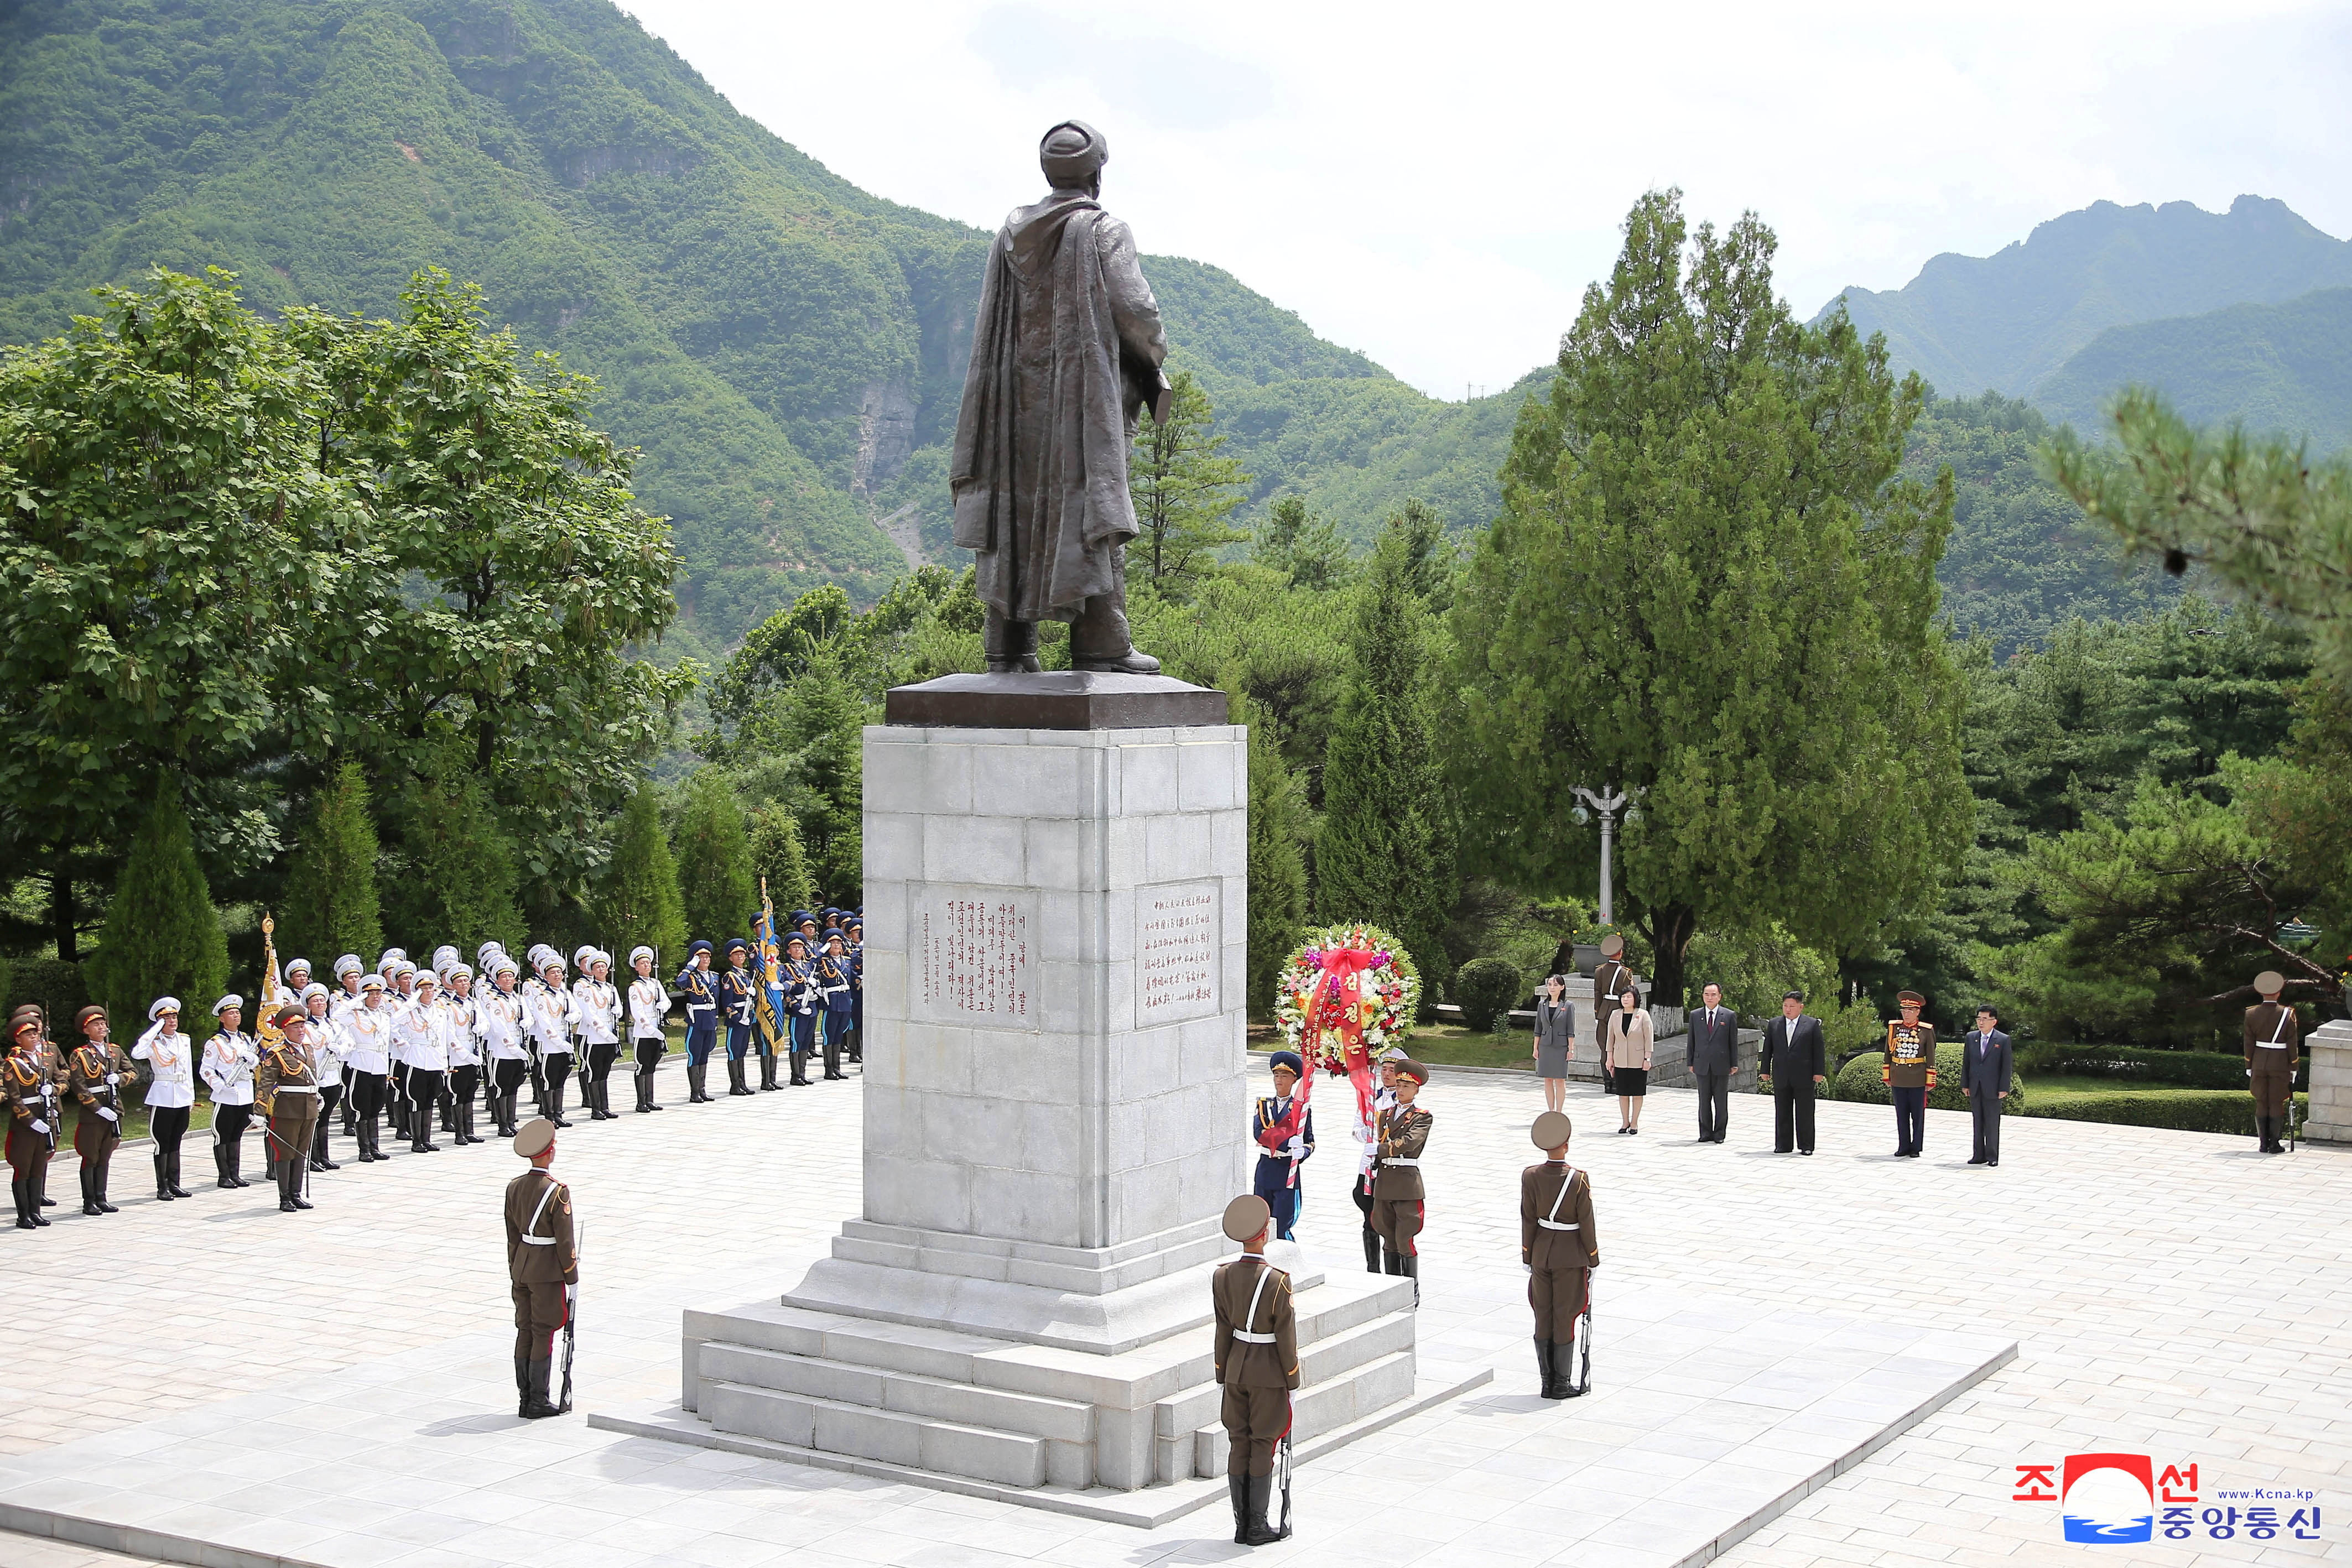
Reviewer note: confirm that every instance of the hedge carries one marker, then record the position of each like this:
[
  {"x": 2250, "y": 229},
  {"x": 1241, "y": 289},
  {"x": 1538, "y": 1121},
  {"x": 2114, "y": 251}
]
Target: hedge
[
  {"x": 1485, "y": 989},
  {"x": 1858, "y": 1081},
  {"x": 2187, "y": 1110},
  {"x": 57, "y": 987},
  {"x": 2125, "y": 1064}
]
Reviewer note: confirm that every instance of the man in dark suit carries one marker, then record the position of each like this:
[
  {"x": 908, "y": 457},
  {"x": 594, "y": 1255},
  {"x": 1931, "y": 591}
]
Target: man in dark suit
[
  {"x": 1984, "y": 1079},
  {"x": 1795, "y": 1063},
  {"x": 1713, "y": 1053}
]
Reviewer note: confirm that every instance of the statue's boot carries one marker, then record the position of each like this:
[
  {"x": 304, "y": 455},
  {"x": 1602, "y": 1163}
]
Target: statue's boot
[
  {"x": 1010, "y": 647},
  {"x": 1099, "y": 640}
]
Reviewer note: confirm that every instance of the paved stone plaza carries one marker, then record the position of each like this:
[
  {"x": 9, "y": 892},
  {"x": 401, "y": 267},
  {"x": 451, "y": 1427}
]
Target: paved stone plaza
[{"x": 334, "y": 1387}]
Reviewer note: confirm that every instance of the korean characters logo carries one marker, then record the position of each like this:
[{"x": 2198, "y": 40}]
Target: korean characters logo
[{"x": 2113, "y": 1500}]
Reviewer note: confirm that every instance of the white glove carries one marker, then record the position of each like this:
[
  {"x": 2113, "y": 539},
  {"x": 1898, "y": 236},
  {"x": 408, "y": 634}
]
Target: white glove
[
  {"x": 42, "y": 1127},
  {"x": 1297, "y": 1148},
  {"x": 105, "y": 1113},
  {"x": 112, "y": 1078}
]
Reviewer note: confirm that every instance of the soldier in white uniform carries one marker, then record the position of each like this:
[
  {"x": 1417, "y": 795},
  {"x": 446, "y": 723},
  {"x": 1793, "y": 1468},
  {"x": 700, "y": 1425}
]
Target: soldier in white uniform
[
  {"x": 368, "y": 1029},
  {"x": 170, "y": 1093},
  {"x": 596, "y": 1012},
  {"x": 547, "y": 1017},
  {"x": 330, "y": 1047},
  {"x": 227, "y": 1071},
  {"x": 465, "y": 1050},
  {"x": 422, "y": 1027},
  {"x": 348, "y": 970},
  {"x": 499, "y": 1012},
  {"x": 649, "y": 1023}
]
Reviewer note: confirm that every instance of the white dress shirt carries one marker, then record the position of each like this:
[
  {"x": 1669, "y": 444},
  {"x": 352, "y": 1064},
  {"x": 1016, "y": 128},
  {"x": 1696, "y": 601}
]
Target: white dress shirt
[{"x": 174, "y": 1057}]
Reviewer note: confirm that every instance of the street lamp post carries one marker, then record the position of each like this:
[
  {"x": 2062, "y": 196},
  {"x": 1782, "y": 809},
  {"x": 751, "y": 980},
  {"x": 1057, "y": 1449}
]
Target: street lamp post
[{"x": 1606, "y": 805}]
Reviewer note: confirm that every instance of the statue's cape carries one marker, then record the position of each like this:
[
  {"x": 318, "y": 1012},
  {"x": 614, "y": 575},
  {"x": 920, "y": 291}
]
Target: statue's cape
[{"x": 1039, "y": 470}]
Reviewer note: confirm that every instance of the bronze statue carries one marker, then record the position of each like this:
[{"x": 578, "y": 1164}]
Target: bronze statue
[{"x": 1065, "y": 356}]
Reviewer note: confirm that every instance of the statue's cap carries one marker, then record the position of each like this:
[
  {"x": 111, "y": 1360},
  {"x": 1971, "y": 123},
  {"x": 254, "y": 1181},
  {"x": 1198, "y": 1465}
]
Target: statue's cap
[{"x": 1073, "y": 153}]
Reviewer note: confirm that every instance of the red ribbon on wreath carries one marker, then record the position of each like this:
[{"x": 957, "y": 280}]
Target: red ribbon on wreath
[{"x": 1337, "y": 1008}]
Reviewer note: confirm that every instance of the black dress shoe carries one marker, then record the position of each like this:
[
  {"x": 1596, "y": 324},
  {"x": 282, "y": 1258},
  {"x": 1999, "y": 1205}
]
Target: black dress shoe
[
  {"x": 304, "y": 1202},
  {"x": 1804, "y": 1151},
  {"x": 1992, "y": 1162},
  {"x": 286, "y": 1206}
]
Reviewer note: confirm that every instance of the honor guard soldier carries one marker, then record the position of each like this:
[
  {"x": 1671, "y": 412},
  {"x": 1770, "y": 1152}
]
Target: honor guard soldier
[
  {"x": 339, "y": 1003},
  {"x": 599, "y": 1007},
  {"x": 499, "y": 1015},
  {"x": 649, "y": 1024},
  {"x": 1258, "y": 1366},
  {"x": 97, "y": 1072},
  {"x": 1383, "y": 1099},
  {"x": 1909, "y": 1073},
  {"x": 329, "y": 1046},
  {"x": 542, "y": 1266},
  {"x": 171, "y": 1090},
  {"x": 832, "y": 984},
  {"x": 1398, "y": 1137},
  {"x": 702, "y": 996},
  {"x": 2274, "y": 1037},
  {"x": 1609, "y": 982},
  {"x": 1559, "y": 1247},
  {"x": 802, "y": 997},
  {"x": 854, "y": 927},
  {"x": 368, "y": 1028},
  {"x": 286, "y": 1087},
  {"x": 227, "y": 1071},
  {"x": 547, "y": 1013},
  {"x": 35, "y": 1111},
  {"x": 467, "y": 1039},
  {"x": 1283, "y": 1127},
  {"x": 423, "y": 1030},
  {"x": 736, "y": 994}
]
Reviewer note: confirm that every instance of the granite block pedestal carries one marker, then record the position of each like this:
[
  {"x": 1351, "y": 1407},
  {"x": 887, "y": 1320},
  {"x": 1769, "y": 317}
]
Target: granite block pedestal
[{"x": 1055, "y": 1115}]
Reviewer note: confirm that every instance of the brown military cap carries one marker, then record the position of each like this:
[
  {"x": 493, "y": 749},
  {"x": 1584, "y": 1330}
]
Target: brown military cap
[
  {"x": 288, "y": 1014},
  {"x": 1413, "y": 1069},
  {"x": 1551, "y": 1130},
  {"x": 536, "y": 1135},
  {"x": 22, "y": 1023},
  {"x": 1246, "y": 1217},
  {"x": 1914, "y": 998},
  {"x": 87, "y": 1013},
  {"x": 2270, "y": 982},
  {"x": 1611, "y": 946}
]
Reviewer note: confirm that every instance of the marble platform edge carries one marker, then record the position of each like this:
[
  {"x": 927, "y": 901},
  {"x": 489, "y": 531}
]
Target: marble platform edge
[
  {"x": 1859, "y": 1454},
  {"x": 1146, "y": 1509},
  {"x": 137, "y": 1541}
]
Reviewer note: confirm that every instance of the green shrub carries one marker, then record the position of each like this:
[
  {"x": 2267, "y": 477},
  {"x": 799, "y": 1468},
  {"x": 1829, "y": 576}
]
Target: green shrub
[
  {"x": 56, "y": 985},
  {"x": 2188, "y": 1110},
  {"x": 162, "y": 935},
  {"x": 1485, "y": 989},
  {"x": 2187, "y": 1068},
  {"x": 1858, "y": 1081}
]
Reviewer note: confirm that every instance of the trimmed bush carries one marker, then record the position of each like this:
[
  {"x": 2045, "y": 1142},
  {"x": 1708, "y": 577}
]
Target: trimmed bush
[
  {"x": 2124, "y": 1065},
  {"x": 1485, "y": 989},
  {"x": 55, "y": 986},
  {"x": 1858, "y": 1081},
  {"x": 162, "y": 936},
  {"x": 2229, "y": 1111}
]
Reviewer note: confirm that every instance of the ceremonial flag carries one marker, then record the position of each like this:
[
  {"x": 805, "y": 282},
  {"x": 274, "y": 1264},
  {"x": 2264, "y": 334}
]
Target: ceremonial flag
[{"x": 770, "y": 999}]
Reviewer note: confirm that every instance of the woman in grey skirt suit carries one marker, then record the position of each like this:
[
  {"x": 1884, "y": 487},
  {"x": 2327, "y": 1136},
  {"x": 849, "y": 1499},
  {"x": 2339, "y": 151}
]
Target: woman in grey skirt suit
[{"x": 1555, "y": 1040}]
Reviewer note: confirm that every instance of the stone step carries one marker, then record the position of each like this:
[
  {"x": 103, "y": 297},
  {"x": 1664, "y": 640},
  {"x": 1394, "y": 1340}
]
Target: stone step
[
  {"x": 837, "y": 1427},
  {"x": 1318, "y": 1363},
  {"x": 902, "y": 1393},
  {"x": 1326, "y": 1408}
]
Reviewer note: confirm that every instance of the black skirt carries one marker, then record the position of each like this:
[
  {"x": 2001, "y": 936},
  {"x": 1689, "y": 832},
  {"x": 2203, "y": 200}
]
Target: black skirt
[{"x": 1633, "y": 1083}]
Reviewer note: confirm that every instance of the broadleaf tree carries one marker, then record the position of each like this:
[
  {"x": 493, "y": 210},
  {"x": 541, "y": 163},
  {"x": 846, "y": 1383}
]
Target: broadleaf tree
[{"x": 1707, "y": 585}]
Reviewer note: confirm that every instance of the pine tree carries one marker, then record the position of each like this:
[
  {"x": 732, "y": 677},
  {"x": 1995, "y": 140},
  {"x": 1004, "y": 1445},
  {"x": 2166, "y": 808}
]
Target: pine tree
[
  {"x": 637, "y": 899},
  {"x": 714, "y": 861},
  {"x": 162, "y": 935},
  {"x": 331, "y": 904},
  {"x": 1385, "y": 854},
  {"x": 826, "y": 727},
  {"x": 1277, "y": 859},
  {"x": 778, "y": 858},
  {"x": 1304, "y": 545},
  {"x": 455, "y": 873},
  {"x": 1183, "y": 491}
]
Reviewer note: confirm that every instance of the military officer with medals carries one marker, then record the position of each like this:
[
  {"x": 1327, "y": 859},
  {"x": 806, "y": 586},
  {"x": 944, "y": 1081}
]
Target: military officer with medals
[
  {"x": 2272, "y": 1038},
  {"x": 542, "y": 1266},
  {"x": 1398, "y": 1137},
  {"x": 736, "y": 995},
  {"x": 1283, "y": 1127},
  {"x": 35, "y": 1111},
  {"x": 97, "y": 1072},
  {"x": 832, "y": 985},
  {"x": 286, "y": 1088},
  {"x": 1909, "y": 1073},
  {"x": 701, "y": 993},
  {"x": 1559, "y": 1247},
  {"x": 1256, "y": 1359}
]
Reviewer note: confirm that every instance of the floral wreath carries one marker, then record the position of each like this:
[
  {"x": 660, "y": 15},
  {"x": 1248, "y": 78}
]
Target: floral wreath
[{"x": 1346, "y": 994}]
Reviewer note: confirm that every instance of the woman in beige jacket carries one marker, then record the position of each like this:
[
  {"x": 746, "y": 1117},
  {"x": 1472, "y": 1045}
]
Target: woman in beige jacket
[{"x": 1629, "y": 1041}]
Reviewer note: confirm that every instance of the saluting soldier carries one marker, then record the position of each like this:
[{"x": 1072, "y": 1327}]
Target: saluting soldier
[
  {"x": 1398, "y": 1137},
  {"x": 736, "y": 997},
  {"x": 832, "y": 985},
  {"x": 1258, "y": 1366},
  {"x": 286, "y": 1087},
  {"x": 1909, "y": 1073},
  {"x": 649, "y": 1024},
  {"x": 97, "y": 1072},
  {"x": 171, "y": 1090},
  {"x": 1283, "y": 1127},
  {"x": 34, "y": 1112},
  {"x": 2274, "y": 1037},
  {"x": 701, "y": 994},
  {"x": 1557, "y": 1244},
  {"x": 542, "y": 1266}
]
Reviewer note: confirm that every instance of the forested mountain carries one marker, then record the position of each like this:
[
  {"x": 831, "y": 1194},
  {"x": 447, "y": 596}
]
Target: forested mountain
[
  {"x": 2008, "y": 321},
  {"x": 2285, "y": 368}
]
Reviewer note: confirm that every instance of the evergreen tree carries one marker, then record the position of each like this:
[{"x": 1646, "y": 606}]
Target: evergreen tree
[
  {"x": 162, "y": 935},
  {"x": 331, "y": 904},
  {"x": 714, "y": 861},
  {"x": 826, "y": 727},
  {"x": 1277, "y": 857},
  {"x": 637, "y": 899},
  {"x": 778, "y": 859},
  {"x": 1302, "y": 544},
  {"x": 454, "y": 874},
  {"x": 1385, "y": 854},
  {"x": 1183, "y": 491}
]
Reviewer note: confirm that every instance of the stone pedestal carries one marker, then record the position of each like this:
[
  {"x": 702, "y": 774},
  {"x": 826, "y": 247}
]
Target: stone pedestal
[
  {"x": 2330, "y": 1050},
  {"x": 1056, "y": 1116}
]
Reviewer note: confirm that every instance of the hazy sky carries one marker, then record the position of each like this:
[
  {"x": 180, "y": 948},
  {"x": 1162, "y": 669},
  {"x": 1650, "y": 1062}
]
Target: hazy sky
[{"x": 1436, "y": 184}]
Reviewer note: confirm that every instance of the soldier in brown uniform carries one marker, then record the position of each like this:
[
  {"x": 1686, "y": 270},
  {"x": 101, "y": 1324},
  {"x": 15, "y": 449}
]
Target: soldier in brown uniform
[
  {"x": 34, "y": 1111},
  {"x": 2273, "y": 1036},
  {"x": 1559, "y": 1247},
  {"x": 1258, "y": 1366},
  {"x": 286, "y": 1093},
  {"x": 1609, "y": 983},
  {"x": 1909, "y": 1073},
  {"x": 542, "y": 1263},
  {"x": 1398, "y": 1137},
  {"x": 97, "y": 1072}
]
